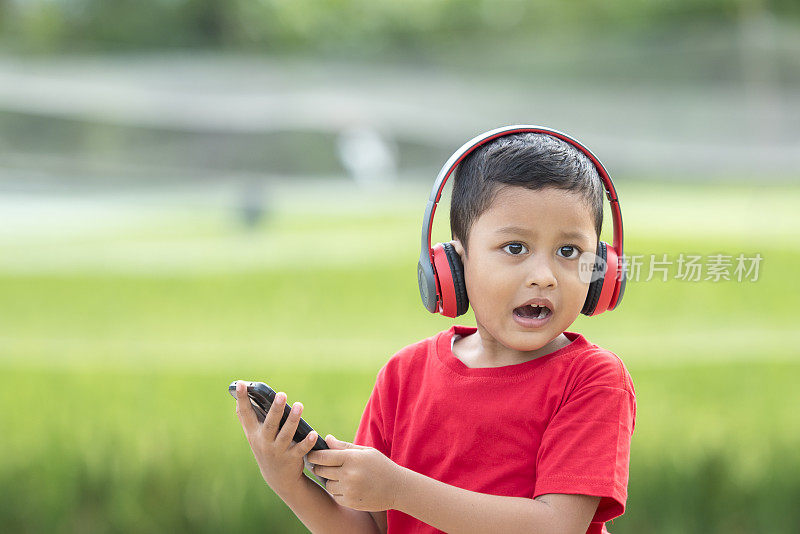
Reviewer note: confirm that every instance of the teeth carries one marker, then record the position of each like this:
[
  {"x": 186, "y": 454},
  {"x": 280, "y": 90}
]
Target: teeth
[{"x": 536, "y": 312}]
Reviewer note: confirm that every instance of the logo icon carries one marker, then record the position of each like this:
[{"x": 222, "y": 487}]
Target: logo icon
[{"x": 591, "y": 267}]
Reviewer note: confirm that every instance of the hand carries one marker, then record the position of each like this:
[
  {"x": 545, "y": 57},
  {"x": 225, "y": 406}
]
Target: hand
[
  {"x": 359, "y": 477},
  {"x": 279, "y": 458}
]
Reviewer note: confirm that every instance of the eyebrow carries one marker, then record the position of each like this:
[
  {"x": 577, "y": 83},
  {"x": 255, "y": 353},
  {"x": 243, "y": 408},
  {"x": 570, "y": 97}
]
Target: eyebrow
[{"x": 525, "y": 231}]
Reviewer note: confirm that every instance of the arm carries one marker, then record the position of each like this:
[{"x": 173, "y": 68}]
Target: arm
[
  {"x": 321, "y": 514},
  {"x": 456, "y": 510}
]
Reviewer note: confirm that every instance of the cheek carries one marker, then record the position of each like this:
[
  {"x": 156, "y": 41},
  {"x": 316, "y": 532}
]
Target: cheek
[
  {"x": 574, "y": 290},
  {"x": 484, "y": 286}
]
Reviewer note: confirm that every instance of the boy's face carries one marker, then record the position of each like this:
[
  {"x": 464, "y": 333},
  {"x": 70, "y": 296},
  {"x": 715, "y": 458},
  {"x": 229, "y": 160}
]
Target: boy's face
[{"x": 505, "y": 267}]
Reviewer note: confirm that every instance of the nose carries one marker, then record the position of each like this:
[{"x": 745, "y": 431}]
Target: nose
[{"x": 540, "y": 272}]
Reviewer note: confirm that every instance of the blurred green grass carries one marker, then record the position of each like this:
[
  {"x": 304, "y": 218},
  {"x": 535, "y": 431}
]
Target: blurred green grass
[{"x": 132, "y": 430}]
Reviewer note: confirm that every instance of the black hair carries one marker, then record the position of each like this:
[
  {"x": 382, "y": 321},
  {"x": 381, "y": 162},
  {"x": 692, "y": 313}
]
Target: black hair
[{"x": 531, "y": 160}]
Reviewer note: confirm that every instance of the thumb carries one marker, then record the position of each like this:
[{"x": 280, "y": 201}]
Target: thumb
[{"x": 334, "y": 443}]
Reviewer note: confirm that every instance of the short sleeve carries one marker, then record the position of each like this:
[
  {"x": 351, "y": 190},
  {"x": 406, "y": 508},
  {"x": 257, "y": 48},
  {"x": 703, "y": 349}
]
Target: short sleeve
[
  {"x": 370, "y": 431},
  {"x": 585, "y": 448}
]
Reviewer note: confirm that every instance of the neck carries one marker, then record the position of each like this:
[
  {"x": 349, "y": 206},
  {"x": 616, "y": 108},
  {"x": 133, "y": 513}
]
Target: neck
[{"x": 483, "y": 350}]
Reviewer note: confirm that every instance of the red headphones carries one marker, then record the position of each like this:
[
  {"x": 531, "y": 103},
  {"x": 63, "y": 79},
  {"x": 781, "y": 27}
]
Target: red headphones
[{"x": 440, "y": 272}]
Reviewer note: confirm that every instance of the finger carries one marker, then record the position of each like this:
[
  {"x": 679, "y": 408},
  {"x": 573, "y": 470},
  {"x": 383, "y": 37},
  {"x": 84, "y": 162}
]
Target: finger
[
  {"x": 334, "y": 488},
  {"x": 334, "y": 443},
  {"x": 287, "y": 431},
  {"x": 270, "y": 425},
  {"x": 331, "y": 473},
  {"x": 247, "y": 417},
  {"x": 328, "y": 457},
  {"x": 302, "y": 448}
]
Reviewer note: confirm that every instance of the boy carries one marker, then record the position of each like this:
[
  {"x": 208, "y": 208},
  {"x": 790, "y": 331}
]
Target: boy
[{"x": 515, "y": 425}]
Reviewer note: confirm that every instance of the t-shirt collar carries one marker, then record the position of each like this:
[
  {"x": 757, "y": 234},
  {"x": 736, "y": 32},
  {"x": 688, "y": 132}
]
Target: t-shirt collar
[{"x": 445, "y": 354}]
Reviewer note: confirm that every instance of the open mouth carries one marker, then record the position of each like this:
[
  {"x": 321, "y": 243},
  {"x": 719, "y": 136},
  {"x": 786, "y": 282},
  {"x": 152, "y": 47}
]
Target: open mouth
[{"x": 533, "y": 312}]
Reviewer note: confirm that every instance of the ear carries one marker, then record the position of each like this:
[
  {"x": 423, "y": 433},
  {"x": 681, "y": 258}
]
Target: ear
[{"x": 459, "y": 248}]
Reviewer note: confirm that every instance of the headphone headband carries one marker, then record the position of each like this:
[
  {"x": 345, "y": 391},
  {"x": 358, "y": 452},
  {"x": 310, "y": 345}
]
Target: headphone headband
[{"x": 425, "y": 273}]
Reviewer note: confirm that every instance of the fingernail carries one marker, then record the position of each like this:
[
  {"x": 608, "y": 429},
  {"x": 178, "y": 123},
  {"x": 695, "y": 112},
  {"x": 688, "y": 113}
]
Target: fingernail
[
  {"x": 311, "y": 436},
  {"x": 296, "y": 408}
]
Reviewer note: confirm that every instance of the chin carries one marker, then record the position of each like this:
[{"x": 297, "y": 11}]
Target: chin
[{"x": 530, "y": 341}]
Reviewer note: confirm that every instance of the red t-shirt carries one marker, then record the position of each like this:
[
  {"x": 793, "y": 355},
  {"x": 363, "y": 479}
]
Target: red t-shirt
[{"x": 561, "y": 423}]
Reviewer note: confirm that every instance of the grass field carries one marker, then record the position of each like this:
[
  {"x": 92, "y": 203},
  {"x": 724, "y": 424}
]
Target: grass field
[{"x": 132, "y": 316}]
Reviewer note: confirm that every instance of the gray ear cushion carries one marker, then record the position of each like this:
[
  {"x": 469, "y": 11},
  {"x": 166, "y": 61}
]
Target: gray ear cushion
[
  {"x": 595, "y": 287},
  {"x": 457, "y": 270}
]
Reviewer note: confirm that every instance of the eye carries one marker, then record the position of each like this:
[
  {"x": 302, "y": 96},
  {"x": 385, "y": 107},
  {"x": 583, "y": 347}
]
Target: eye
[
  {"x": 515, "y": 249},
  {"x": 568, "y": 251}
]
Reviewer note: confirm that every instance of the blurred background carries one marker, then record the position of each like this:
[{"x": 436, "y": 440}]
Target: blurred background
[{"x": 198, "y": 191}]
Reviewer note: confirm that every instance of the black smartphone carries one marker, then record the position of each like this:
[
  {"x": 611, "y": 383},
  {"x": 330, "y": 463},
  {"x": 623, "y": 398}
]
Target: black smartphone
[{"x": 261, "y": 398}]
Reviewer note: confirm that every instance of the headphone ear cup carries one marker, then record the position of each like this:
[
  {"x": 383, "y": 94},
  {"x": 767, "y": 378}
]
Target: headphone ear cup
[
  {"x": 596, "y": 286},
  {"x": 619, "y": 283},
  {"x": 457, "y": 270},
  {"x": 610, "y": 283},
  {"x": 449, "y": 274}
]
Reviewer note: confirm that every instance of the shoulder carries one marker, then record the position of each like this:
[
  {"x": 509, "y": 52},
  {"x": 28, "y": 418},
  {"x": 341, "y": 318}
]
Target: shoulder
[
  {"x": 596, "y": 366},
  {"x": 597, "y": 380},
  {"x": 409, "y": 358}
]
